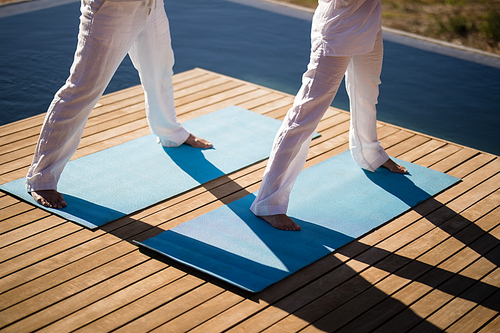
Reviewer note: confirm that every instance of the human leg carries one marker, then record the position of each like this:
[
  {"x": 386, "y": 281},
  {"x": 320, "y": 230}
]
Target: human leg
[
  {"x": 362, "y": 84},
  {"x": 153, "y": 57},
  {"x": 105, "y": 35},
  {"x": 319, "y": 86}
]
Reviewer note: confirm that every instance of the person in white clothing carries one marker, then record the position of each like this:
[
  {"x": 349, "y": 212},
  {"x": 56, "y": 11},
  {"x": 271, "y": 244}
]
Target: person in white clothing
[
  {"x": 109, "y": 29},
  {"x": 346, "y": 38}
]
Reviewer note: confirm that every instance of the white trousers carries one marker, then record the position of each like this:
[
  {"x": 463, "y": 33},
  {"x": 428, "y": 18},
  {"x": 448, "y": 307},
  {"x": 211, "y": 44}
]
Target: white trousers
[
  {"x": 108, "y": 31},
  {"x": 319, "y": 86}
]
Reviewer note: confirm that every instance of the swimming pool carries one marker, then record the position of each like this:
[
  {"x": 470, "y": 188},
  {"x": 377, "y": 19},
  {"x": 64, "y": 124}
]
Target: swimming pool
[{"x": 426, "y": 87}]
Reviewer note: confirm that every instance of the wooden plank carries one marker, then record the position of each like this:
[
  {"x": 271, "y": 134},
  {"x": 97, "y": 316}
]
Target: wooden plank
[
  {"x": 422, "y": 150},
  {"x": 26, "y": 142},
  {"x": 257, "y": 102},
  {"x": 494, "y": 325},
  {"x": 201, "y": 313},
  {"x": 235, "y": 99},
  {"x": 25, "y": 307},
  {"x": 20, "y": 135},
  {"x": 334, "y": 120},
  {"x": 471, "y": 164},
  {"x": 187, "y": 84},
  {"x": 449, "y": 163},
  {"x": 469, "y": 182},
  {"x": 207, "y": 93},
  {"x": 475, "y": 319},
  {"x": 443, "y": 152},
  {"x": 134, "y": 110},
  {"x": 70, "y": 251},
  {"x": 25, "y": 218},
  {"x": 328, "y": 134},
  {"x": 406, "y": 145},
  {"x": 13, "y": 210},
  {"x": 142, "y": 307},
  {"x": 489, "y": 186},
  {"x": 120, "y": 95},
  {"x": 386, "y": 130},
  {"x": 140, "y": 287},
  {"x": 79, "y": 269},
  {"x": 378, "y": 312},
  {"x": 19, "y": 153},
  {"x": 48, "y": 315},
  {"x": 6, "y": 201},
  {"x": 151, "y": 232},
  {"x": 20, "y": 125},
  {"x": 26, "y": 245},
  {"x": 350, "y": 282},
  {"x": 278, "y": 113},
  {"x": 463, "y": 303},
  {"x": 202, "y": 88},
  {"x": 396, "y": 138},
  {"x": 49, "y": 250},
  {"x": 190, "y": 75},
  {"x": 216, "y": 98},
  {"x": 173, "y": 309},
  {"x": 335, "y": 146},
  {"x": 285, "y": 101}
]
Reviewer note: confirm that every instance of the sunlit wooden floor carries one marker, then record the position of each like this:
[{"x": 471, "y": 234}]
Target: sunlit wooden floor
[{"x": 431, "y": 269}]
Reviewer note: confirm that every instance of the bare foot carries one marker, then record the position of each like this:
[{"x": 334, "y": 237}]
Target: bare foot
[
  {"x": 49, "y": 198},
  {"x": 197, "y": 142},
  {"x": 281, "y": 221},
  {"x": 394, "y": 167}
]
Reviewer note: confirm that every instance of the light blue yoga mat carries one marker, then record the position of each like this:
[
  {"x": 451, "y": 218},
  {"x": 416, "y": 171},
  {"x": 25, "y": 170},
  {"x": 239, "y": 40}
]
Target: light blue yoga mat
[
  {"x": 109, "y": 184},
  {"x": 334, "y": 202}
]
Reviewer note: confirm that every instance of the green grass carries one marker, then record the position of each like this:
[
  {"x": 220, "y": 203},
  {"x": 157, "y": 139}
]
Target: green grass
[{"x": 491, "y": 26}]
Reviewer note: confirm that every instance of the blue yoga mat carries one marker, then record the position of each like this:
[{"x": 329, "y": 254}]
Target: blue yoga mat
[
  {"x": 334, "y": 202},
  {"x": 109, "y": 184}
]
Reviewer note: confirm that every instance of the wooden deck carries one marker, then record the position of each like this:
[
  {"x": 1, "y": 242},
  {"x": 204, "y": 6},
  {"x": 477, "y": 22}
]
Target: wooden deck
[{"x": 434, "y": 268}]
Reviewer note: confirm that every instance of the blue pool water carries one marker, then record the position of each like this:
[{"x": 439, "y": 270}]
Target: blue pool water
[{"x": 453, "y": 95}]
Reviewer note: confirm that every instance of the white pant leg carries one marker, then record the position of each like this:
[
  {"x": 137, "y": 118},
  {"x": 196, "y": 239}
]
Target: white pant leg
[
  {"x": 319, "y": 86},
  {"x": 107, "y": 30},
  {"x": 362, "y": 82},
  {"x": 153, "y": 57}
]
